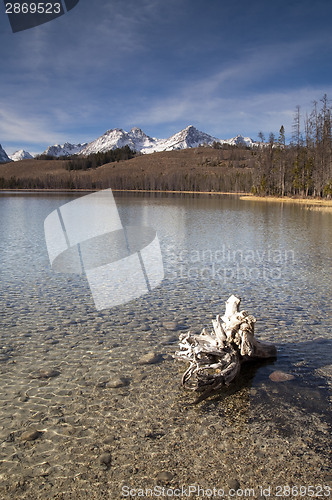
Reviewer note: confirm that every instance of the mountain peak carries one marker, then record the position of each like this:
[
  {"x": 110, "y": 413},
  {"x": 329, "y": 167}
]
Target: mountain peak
[
  {"x": 4, "y": 158},
  {"x": 239, "y": 140},
  {"x": 191, "y": 127},
  {"x": 138, "y": 133},
  {"x": 137, "y": 130},
  {"x": 66, "y": 149},
  {"x": 20, "y": 155},
  {"x": 190, "y": 137}
]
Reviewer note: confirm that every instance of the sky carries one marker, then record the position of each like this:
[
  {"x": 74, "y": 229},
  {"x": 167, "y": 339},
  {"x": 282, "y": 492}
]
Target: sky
[{"x": 227, "y": 67}]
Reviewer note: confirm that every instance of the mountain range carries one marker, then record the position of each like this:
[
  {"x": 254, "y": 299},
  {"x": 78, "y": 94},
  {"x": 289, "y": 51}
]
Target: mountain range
[{"x": 137, "y": 140}]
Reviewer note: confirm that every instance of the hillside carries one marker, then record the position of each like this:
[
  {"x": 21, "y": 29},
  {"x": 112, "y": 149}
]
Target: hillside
[{"x": 198, "y": 169}]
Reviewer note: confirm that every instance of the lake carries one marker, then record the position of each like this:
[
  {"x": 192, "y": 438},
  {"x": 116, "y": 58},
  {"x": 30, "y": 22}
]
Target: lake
[{"x": 81, "y": 417}]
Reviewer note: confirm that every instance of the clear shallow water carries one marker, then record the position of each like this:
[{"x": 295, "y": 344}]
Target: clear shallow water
[{"x": 276, "y": 257}]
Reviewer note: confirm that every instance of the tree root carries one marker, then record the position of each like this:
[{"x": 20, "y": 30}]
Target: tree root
[{"x": 215, "y": 358}]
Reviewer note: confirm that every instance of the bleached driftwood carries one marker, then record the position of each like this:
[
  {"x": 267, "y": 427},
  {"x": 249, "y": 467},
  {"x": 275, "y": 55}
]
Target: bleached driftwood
[{"x": 215, "y": 358}]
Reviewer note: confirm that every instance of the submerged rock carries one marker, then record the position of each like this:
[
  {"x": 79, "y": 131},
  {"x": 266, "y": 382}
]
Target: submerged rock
[
  {"x": 31, "y": 435},
  {"x": 233, "y": 484},
  {"x": 171, "y": 325},
  {"x": 48, "y": 373},
  {"x": 150, "y": 358},
  {"x": 165, "y": 476},
  {"x": 117, "y": 382},
  {"x": 279, "y": 376},
  {"x": 105, "y": 459}
]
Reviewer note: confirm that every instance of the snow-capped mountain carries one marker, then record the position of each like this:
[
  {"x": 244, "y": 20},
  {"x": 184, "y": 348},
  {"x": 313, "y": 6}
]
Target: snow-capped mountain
[
  {"x": 20, "y": 155},
  {"x": 239, "y": 140},
  {"x": 66, "y": 149},
  {"x": 4, "y": 158},
  {"x": 189, "y": 137},
  {"x": 137, "y": 140}
]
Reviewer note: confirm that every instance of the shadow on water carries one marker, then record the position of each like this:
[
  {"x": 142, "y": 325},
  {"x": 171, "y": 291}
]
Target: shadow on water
[
  {"x": 243, "y": 380},
  {"x": 308, "y": 394}
]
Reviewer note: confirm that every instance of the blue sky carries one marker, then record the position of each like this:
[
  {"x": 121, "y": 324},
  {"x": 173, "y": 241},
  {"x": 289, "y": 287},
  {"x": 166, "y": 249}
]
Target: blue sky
[{"x": 227, "y": 67}]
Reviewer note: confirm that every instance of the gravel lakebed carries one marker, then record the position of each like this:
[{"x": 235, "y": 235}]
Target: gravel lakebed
[{"x": 92, "y": 407}]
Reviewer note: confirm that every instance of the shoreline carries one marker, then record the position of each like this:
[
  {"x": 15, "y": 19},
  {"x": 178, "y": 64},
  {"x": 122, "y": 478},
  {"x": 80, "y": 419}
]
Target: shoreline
[
  {"x": 314, "y": 203},
  {"x": 59, "y": 190}
]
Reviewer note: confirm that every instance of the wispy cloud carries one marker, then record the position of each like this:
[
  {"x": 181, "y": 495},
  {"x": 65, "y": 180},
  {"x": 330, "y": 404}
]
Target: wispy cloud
[
  {"x": 233, "y": 100},
  {"x": 27, "y": 129},
  {"x": 224, "y": 117}
]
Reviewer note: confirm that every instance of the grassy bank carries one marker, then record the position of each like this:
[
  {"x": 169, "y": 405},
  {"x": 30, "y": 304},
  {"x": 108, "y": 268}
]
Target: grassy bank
[{"x": 310, "y": 203}]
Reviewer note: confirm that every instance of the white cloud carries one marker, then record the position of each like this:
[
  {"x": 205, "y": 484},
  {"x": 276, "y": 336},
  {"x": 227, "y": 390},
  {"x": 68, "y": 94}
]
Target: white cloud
[
  {"x": 224, "y": 117},
  {"x": 235, "y": 99},
  {"x": 34, "y": 130}
]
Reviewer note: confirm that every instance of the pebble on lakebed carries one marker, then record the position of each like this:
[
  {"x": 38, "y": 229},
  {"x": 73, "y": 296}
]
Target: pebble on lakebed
[
  {"x": 105, "y": 459},
  {"x": 150, "y": 358},
  {"x": 234, "y": 484},
  {"x": 171, "y": 325},
  {"x": 48, "y": 373},
  {"x": 279, "y": 376},
  {"x": 165, "y": 476},
  {"x": 31, "y": 435},
  {"x": 116, "y": 382}
]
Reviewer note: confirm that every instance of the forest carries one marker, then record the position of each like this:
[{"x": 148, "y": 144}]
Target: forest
[
  {"x": 97, "y": 159},
  {"x": 303, "y": 167}
]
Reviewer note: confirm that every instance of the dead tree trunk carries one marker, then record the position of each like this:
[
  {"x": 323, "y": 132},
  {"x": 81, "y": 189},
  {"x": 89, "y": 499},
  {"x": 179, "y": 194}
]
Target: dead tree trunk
[{"x": 215, "y": 358}]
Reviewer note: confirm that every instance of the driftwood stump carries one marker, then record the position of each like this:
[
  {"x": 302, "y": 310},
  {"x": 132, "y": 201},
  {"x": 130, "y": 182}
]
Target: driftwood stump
[{"x": 215, "y": 358}]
